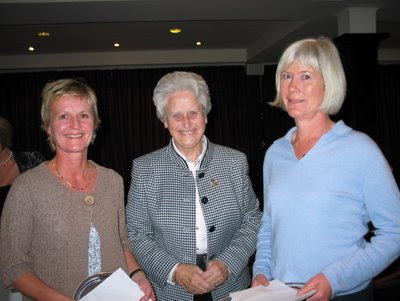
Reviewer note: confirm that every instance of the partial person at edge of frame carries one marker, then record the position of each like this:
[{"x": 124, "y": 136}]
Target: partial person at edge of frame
[
  {"x": 192, "y": 214},
  {"x": 323, "y": 183},
  {"x": 64, "y": 220},
  {"x": 13, "y": 162}
]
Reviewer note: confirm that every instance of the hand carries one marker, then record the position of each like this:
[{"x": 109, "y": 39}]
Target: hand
[
  {"x": 189, "y": 276},
  {"x": 217, "y": 272},
  {"x": 259, "y": 280},
  {"x": 145, "y": 285},
  {"x": 321, "y": 283}
]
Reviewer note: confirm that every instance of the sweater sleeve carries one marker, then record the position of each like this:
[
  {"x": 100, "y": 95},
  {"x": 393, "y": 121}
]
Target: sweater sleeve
[
  {"x": 382, "y": 202},
  {"x": 16, "y": 232},
  {"x": 121, "y": 214},
  {"x": 262, "y": 264}
]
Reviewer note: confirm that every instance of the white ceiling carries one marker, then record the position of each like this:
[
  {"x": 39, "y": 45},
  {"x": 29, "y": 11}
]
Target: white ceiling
[{"x": 231, "y": 31}]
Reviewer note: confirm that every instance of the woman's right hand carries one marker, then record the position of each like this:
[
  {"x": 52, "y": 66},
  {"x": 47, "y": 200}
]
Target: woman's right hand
[{"x": 259, "y": 280}]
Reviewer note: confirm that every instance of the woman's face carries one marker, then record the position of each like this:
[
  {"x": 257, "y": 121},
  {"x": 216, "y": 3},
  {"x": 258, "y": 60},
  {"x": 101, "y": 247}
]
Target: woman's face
[
  {"x": 185, "y": 121},
  {"x": 71, "y": 124},
  {"x": 302, "y": 90}
]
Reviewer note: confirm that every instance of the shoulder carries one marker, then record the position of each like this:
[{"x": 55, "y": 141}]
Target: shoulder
[
  {"x": 353, "y": 140},
  {"x": 109, "y": 174},
  {"x": 223, "y": 152},
  {"x": 33, "y": 176},
  {"x": 151, "y": 158}
]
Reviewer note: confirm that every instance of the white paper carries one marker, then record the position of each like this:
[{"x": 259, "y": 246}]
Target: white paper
[
  {"x": 117, "y": 286},
  {"x": 275, "y": 291}
]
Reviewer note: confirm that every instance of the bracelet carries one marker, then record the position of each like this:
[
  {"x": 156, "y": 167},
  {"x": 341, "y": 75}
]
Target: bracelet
[{"x": 134, "y": 272}]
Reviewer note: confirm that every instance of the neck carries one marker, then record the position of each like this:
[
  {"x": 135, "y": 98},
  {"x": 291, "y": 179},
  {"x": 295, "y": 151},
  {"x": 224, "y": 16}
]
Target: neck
[
  {"x": 312, "y": 130},
  {"x": 5, "y": 156}
]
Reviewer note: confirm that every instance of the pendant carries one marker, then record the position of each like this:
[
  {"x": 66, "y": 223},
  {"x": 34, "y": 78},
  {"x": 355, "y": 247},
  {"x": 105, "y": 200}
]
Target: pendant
[{"x": 89, "y": 200}]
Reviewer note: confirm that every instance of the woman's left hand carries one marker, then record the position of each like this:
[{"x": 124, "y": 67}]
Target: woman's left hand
[
  {"x": 144, "y": 283},
  {"x": 321, "y": 284},
  {"x": 217, "y": 272}
]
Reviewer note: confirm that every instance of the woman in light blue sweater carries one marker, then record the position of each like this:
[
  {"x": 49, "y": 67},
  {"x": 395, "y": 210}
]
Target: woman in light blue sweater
[{"x": 323, "y": 183}]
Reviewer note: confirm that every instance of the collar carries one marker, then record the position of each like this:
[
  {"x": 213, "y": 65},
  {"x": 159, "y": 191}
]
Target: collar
[
  {"x": 339, "y": 129},
  {"x": 199, "y": 158}
]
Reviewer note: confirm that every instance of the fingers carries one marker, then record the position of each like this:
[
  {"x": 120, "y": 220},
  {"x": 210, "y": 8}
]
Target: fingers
[
  {"x": 321, "y": 284},
  {"x": 217, "y": 272},
  {"x": 259, "y": 280},
  {"x": 189, "y": 277}
]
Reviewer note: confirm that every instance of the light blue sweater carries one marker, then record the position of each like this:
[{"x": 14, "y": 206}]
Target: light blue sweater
[{"x": 316, "y": 211}]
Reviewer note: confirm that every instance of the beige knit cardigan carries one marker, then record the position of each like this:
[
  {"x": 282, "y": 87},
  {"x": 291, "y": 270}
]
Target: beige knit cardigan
[{"x": 45, "y": 228}]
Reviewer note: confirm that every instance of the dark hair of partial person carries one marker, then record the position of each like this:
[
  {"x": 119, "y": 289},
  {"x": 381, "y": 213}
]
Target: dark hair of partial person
[
  {"x": 6, "y": 133},
  {"x": 321, "y": 55},
  {"x": 55, "y": 89},
  {"x": 181, "y": 81}
]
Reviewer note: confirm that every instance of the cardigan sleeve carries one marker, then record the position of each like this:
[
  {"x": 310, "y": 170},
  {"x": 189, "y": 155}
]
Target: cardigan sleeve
[{"x": 16, "y": 232}]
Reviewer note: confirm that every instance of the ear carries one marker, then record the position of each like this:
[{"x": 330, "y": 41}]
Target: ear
[
  {"x": 205, "y": 120},
  {"x": 165, "y": 124}
]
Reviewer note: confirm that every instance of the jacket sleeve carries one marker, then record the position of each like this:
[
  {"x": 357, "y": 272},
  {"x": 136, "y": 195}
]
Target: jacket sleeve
[
  {"x": 154, "y": 260},
  {"x": 242, "y": 245}
]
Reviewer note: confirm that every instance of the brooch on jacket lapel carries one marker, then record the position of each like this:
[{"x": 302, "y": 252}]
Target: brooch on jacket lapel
[{"x": 213, "y": 183}]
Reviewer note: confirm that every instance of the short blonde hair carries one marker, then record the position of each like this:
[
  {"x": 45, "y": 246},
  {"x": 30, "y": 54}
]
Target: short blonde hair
[
  {"x": 321, "y": 55},
  {"x": 55, "y": 89}
]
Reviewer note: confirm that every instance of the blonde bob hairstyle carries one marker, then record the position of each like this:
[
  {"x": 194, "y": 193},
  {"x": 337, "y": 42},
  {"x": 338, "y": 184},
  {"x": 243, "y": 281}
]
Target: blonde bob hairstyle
[
  {"x": 76, "y": 87},
  {"x": 321, "y": 55},
  {"x": 180, "y": 81}
]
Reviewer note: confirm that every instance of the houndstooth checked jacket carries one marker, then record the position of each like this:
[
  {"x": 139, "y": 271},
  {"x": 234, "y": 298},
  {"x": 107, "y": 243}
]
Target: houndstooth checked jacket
[{"x": 161, "y": 215}]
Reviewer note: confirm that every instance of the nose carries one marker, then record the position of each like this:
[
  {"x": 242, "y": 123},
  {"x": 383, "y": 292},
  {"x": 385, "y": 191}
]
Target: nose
[
  {"x": 293, "y": 85},
  {"x": 75, "y": 123},
  {"x": 186, "y": 121}
]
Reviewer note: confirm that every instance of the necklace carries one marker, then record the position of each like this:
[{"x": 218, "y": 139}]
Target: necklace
[
  {"x": 6, "y": 160},
  {"x": 53, "y": 163}
]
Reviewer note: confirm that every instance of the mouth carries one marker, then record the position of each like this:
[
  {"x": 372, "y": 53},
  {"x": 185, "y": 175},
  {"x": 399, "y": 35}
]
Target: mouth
[
  {"x": 187, "y": 132},
  {"x": 294, "y": 101},
  {"x": 74, "y": 136}
]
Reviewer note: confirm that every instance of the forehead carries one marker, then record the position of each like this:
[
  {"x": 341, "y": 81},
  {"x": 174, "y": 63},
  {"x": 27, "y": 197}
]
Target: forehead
[
  {"x": 182, "y": 100},
  {"x": 68, "y": 100},
  {"x": 298, "y": 66}
]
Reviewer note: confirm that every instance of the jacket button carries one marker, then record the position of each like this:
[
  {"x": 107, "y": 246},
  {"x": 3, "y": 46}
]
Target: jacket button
[
  {"x": 204, "y": 200},
  {"x": 201, "y": 175},
  {"x": 212, "y": 229}
]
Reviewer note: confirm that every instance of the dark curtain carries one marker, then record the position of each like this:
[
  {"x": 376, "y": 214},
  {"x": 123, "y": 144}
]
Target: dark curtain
[
  {"x": 129, "y": 126},
  {"x": 388, "y": 111},
  {"x": 241, "y": 116}
]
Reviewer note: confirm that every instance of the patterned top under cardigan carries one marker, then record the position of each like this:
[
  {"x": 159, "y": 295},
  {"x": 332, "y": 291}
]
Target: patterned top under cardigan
[{"x": 161, "y": 213}]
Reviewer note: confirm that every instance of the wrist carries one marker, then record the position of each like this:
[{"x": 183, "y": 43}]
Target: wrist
[{"x": 134, "y": 272}]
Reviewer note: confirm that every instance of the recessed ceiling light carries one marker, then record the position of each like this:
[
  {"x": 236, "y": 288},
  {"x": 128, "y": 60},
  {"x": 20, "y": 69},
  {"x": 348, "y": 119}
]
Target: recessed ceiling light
[
  {"x": 198, "y": 43},
  {"x": 31, "y": 48},
  {"x": 43, "y": 34},
  {"x": 175, "y": 30},
  {"x": 116, "y": 45}
]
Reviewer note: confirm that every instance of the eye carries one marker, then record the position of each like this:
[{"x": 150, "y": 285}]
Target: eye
[
  {"x": 305, "y": 76},
  {"x": 177, "y": 116},
  {"x": 63, "y": 116},
  {"x": 285, "y": 76},
  {"x": 85, "y": 115},
  {"x": 193, "y": 114}
]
